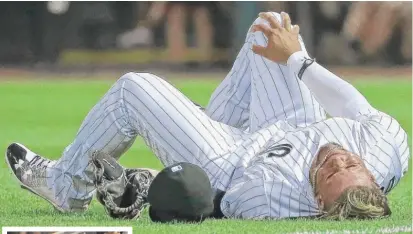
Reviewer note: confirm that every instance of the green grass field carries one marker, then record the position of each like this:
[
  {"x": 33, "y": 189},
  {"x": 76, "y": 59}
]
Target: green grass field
[{"x": 45, "y": 116}]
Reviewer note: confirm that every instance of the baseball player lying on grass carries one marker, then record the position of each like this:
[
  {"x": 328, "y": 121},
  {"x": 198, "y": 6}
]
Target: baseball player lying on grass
[{"x": 264, "y": 141}]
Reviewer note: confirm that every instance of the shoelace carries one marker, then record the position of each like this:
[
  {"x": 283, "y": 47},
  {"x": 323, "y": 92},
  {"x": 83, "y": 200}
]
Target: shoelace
[
  {"x": 37, "y": 177},
  {"x": 37, "y": 166},
  {"x": 39, "y": 161}
]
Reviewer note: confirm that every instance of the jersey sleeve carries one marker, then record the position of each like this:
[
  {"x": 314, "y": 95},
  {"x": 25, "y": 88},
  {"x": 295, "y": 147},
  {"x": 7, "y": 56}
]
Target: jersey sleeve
[
  {"x": 376, "y": 123},
  {"x": 246, "y": 200},
  {"x": 382, "y": 144},
  {"x": 264, "y": 193}
]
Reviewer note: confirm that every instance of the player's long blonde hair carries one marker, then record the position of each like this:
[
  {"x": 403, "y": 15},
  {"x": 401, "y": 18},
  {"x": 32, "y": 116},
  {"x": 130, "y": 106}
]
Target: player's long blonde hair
[{"x": 359, "y": 202}]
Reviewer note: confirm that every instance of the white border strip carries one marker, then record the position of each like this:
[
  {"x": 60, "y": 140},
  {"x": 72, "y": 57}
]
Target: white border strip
[
  {"x": 67, "y": 229},
  {"x": 383, "y": 230}
]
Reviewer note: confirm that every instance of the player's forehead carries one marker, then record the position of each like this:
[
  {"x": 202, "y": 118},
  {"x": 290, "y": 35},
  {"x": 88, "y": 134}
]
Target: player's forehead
[
  {"x": 325, "y": 150},
  {"x": 342, "y": 156}
]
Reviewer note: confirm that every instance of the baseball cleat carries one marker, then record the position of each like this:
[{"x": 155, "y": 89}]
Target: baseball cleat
[{"x": 30, "y": 170}]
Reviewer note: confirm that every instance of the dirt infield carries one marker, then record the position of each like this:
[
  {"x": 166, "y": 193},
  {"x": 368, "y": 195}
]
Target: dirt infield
[{"x": 348, "y": 73}]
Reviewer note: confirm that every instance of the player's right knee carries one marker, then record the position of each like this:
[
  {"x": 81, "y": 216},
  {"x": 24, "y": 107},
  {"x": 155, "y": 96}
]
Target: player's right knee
[
  {"x": 132, "y": 79},
  {"x": 259, "y": 37},
  {"x": 131, "y": 76},
  {"x": 263, "y": 21},
  {"x": 140, "y": 79}
]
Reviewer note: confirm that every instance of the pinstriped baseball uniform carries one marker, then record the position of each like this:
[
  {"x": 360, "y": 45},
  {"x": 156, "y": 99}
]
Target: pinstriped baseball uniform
[
  {"x": 258, "y": 92},
  {"x": 274, "y": 180},
  {"x": 261, "y": 130},
  {"x": 172, "y": 126}
]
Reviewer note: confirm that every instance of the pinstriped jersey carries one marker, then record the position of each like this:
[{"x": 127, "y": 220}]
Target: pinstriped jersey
[{"x": 273, "y": 182}]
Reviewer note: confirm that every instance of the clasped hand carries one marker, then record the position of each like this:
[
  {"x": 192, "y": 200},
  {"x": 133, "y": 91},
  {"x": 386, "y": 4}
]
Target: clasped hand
[{"x": 282, "y": 39}]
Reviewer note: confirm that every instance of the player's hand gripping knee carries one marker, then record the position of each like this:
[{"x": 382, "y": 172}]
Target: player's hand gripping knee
[{"x": 282, "y": 39}]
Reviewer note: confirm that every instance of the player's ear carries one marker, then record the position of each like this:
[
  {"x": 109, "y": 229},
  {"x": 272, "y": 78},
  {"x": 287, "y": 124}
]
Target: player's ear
[{"x": 320, "y": 202}]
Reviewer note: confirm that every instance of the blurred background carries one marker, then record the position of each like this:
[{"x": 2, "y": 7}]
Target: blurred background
[{"x": 194, "y": 35}]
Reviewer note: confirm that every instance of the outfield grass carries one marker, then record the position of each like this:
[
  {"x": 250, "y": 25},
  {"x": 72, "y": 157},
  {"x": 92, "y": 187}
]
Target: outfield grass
[{"x": 45, "y": 116}]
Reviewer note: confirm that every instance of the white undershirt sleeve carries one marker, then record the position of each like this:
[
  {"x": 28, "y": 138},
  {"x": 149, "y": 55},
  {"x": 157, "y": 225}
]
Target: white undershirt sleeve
[{"x": 336, "y": 96}]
